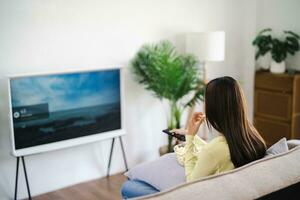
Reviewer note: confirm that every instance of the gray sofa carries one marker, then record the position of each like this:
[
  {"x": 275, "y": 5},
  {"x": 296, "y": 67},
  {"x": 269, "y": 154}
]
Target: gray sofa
[{"x": 276, "y": 177}]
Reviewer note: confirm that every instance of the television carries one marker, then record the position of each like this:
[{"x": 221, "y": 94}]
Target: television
[{"x": 58, "y": 110}]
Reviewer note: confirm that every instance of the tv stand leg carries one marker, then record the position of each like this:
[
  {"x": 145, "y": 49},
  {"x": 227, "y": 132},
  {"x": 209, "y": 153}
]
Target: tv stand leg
[
  {"x": 17, "y": 178},
  {"x": 110, "y": 155},
  {"x": 123, "y": 152},
  {"x": 111, "y": 152},
  {"x": 26, "y": 178}
]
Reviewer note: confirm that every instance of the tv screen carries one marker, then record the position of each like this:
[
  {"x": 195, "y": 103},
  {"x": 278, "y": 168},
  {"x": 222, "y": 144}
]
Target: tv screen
[{"x": 51, "y": 108}]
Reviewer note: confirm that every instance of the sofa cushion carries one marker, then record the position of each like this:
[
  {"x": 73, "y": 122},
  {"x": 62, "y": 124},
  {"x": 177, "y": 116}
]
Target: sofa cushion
[
  {"x": 250, "y": 181},
  {"x": 162, "y": 173}
]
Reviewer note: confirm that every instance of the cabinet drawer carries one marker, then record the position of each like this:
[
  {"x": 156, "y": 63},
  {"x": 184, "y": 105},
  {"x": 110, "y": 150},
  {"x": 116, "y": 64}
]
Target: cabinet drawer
[
  {"x": 272, "y": 131},
  {"x": 275, "y": 82},
  {"x": 273, "y": 105}
]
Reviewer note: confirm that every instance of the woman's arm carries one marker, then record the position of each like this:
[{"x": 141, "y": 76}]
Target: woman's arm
[
  {"x": 203, "y": 164},
  {"x": 198, "y": 166},
  {"x": 190, "y": 159}
]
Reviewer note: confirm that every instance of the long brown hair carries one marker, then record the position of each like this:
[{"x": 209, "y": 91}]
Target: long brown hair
[{"x": 225, "y": 110}]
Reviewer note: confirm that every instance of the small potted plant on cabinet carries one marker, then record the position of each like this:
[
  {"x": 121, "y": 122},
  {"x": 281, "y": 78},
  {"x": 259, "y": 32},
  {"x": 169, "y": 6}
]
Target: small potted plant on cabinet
[{"x": 279, "y": 48}]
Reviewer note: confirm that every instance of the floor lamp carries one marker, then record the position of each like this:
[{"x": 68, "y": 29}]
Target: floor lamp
[{"x": 207, "y": 47}]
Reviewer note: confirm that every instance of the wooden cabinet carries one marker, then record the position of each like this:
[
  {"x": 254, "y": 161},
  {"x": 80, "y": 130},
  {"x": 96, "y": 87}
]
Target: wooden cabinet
[{"x": 277, "y": 106}]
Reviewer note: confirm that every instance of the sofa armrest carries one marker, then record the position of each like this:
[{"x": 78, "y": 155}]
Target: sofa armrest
[{"x": 293, "y": 143}]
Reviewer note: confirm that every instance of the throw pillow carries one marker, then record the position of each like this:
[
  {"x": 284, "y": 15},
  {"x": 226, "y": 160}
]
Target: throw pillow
[
  {"x": 162, "y": 173},
  {"x": 279, "y": 147}
]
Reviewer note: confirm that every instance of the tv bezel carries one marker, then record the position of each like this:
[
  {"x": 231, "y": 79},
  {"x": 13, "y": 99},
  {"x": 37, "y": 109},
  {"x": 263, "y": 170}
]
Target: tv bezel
[{"x": 69, "y": 142}]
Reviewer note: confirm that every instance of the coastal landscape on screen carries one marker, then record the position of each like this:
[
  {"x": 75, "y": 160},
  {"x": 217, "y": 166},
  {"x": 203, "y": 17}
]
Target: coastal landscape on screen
[{"x": 53, "y": 108}]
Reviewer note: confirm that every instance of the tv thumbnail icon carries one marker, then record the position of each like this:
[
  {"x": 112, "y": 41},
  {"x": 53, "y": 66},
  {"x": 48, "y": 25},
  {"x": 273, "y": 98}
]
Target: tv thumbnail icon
[{"x": 30, "y": 112}]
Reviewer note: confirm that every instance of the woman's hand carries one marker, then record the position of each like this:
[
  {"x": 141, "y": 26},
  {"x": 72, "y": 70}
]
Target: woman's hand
[
  {"x": 179, "y": 131},
  {"x": 195, "y": 122},
  {"x": 193, "y": 125}
]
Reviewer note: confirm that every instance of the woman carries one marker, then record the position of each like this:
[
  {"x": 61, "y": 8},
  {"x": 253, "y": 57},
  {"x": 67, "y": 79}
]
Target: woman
[{"x": 237, "y": 144}]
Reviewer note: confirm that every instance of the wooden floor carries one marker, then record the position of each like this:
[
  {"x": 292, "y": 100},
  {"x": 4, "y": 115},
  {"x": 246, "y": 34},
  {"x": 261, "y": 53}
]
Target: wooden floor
[{"x": 100, "y": 189}]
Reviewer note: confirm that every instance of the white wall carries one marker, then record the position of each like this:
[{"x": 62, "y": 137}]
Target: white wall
[
  {"x": 49, "y": 35},
  {"x": 248, "y": 64},
  {"x": 280, "y": 15}
]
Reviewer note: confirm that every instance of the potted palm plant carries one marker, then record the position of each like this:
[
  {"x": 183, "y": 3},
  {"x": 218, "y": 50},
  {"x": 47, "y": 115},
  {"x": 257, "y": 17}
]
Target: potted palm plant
[
  {"x": 279, "y": 48},
  {"x": 170, "y": 76}
]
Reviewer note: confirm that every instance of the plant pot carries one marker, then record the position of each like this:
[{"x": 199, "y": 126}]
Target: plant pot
[
  {"x": 277, "y": 68},
  {"x": 163, "y": 150},
  {"x": 264, "y": 62}
]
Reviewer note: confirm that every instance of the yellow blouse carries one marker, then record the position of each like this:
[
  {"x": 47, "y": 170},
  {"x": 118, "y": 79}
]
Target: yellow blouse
[{"x": 203, "y": 159}]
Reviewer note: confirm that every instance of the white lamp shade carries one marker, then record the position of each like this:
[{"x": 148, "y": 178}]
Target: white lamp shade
[{"x": 207, "y": 46}]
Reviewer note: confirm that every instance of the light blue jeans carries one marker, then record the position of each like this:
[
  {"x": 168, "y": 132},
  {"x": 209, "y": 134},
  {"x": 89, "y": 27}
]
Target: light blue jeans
[{"x": 136, "y": 188}]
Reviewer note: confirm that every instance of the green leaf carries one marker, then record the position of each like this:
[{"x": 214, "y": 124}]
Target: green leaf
[
  {"x": 264, "y": 31},
  {"x": 293, "y": 34},
  {"x": 262, "y": 42}
]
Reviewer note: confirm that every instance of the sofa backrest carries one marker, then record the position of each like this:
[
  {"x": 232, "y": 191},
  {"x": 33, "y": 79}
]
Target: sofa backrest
[{"x": 252, "y": 181}]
